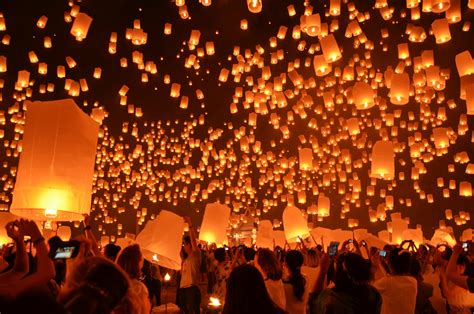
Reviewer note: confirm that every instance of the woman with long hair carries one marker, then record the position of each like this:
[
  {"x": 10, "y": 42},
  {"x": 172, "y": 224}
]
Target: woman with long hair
[
  {"x": 131, "y": 261},
  {"x": 294, "y": 283},
  {"x": 269, "y": 266},
  {"x": 246, "y": 293}
]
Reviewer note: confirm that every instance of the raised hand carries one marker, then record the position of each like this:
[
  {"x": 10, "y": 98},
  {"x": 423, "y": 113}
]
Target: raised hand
[{"x": 14, "y": 231}]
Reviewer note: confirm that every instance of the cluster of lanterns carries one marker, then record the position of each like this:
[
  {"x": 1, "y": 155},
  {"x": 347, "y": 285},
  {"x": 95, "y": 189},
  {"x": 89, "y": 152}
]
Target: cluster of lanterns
[{"x": 348, "y": 128}]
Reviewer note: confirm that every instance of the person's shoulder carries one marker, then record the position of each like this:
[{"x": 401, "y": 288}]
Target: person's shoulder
[{"x": 470, "y": 284}]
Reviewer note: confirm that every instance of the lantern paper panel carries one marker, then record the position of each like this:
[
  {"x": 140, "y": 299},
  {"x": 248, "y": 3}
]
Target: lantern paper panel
[
  {"x": 294, "y": 224},
  {"x": 265, "y": 234},
  {"x": 214, "y": 224},
  {"x": 161, "y": 239},
  {"x": 55, "y": 172}
]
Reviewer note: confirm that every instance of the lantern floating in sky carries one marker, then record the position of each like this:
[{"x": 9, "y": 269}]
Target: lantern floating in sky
[
  {"x": 441, "y": 31},
  {"x": 330, "y": 48},
  {"x": 81, "y": 25},
  {"x": 54, "y": 180},
  {"x": 363, "y": 96},
  {"x": 323, "y": 205},
  {"x": 306, "y": 158},
  {"x": 254, "y": 6},
  {"x": 400, "y": 89},
  {"x": 383, "y": 163},
  {"x": 214, "y": 223}
]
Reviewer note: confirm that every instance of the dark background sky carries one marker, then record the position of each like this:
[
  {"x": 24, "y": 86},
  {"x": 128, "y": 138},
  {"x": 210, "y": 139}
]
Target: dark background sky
[{"x": 223, "y": 17}]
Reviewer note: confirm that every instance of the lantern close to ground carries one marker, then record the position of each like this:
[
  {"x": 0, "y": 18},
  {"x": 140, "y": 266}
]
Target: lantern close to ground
[
  {"x": 161, "y": 239},
  {"x": 55, "y": 172},
  {"x": 214, "y": 224},
  {"x": 265, "y": 236},
  {"x": 294, "y": 224}
]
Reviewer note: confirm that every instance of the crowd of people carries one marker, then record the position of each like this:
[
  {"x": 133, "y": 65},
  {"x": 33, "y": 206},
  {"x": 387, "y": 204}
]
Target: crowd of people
[{"x": 353, "y": 278}]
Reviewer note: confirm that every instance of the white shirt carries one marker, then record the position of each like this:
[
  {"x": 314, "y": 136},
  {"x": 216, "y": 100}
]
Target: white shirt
[
  {"x": 277, "y": 292},
  {"x": 311, "y": 274},
  {"x": 293, "y": 305},
  {"x": 398, "y": 294}
]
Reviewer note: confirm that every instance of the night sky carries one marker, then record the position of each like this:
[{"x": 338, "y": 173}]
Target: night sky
[{"x": 166, "y": 131}]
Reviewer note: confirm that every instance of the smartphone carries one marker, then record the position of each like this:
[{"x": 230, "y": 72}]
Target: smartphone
[
  {"x": 465, "y": 246},
  {"x": 65, "y": 250},
  {"x": 383, "y": 253},
  {"x": 363, "y": 243},
  {"x": 351, "y": 241},
  {"x": 332, "y": 250},
  {"x": 226, "y": 248}
]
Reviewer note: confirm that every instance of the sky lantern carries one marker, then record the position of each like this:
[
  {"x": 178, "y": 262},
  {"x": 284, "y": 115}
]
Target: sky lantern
[
  {"x": 383, "y": 163},
  {"x": 254, "y": 6},
  {"x": 438, "y": 6},
  {"x": 265, "y": 234},
  {"x": 294, "y": 224},
  {"x": 161, "y": 239},
  {"x": 399, "y": 88},
  {"x": 214, "y": 224},
  {"x": 3, "y": 64},
  {"x": 441, "y": 31},
  {"x": 54, "y": 180},
  {"x": 321, "y": 67},
  {"x": 440, "y": 138},
  {"x": 311, "y": 24},
  {"x": 324, "y": 204},
  {"x": 64, "y": 232},
  {"x": 330, "y": 48},
  {"x": 363, "y": 96},
  {"x": 465, "y": 189},
  {"x": 464, "y": 63},
  {"x": 306, "y": 158},
  {"x": 335, "y": 7},
  {"x": 81, "y": 25}
]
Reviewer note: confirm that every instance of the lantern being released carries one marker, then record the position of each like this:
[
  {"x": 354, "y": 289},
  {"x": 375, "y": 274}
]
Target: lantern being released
[
  {"x": 294, "y": 224},
  {"x": 214, "y": 224},
  {"x": 161, "y": 238},
  {"x": 55, "y": 172},
  {"x": 383, "y": 162}
]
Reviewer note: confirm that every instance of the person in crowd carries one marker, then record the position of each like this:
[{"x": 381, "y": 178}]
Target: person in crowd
[
  {"x": 189, "y": 295},
  {"x": 424, "y": 290},
  {"x": 294, "y": 283},
  {"x": 131, "y": 261},
  {"x": 452, "y": 272},
  {"x": 459, "y": 299},
  {"x": 247, "y": 293},
  {"x": 222, "y": 270},
  {"x": 111, "y": 251},
  {"x": 266, "y": 262},
  {"x": 351, "y": 292},
  {"x": 152, "y": 280},
  {"x": 434, "y": 264},
  {"x": 311, "y": 267},
  {"x": 398, "y": 289}
]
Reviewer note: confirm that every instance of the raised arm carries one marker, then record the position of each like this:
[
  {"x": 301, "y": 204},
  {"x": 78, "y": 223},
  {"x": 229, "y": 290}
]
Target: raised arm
[
  {"x": 192, "y": 233},
  {"x": 451, "y": 273},
  {"x": 90, "y": 235},
  {"x": 21, "y": 266}
]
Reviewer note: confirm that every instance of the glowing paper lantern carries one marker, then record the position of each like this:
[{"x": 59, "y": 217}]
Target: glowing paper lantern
[
  {"x": 294, "y": 224},
  {"x": 440, "y": 137},
  {"x": 400, "y": 89},
  {"x": 306, "y": 158},
  {"x": 465, "y": 189},
  {"x": 311, "y": 24},
  {"x": 64, "y": 232},
  {"x": 438, "y": 6},
  {"x": 265, "y": 234},
  {"x": 442, "y": 237},
  {"x": 383, "y": 162},
  {"x": 214, "y": 224},
  {"x": 81, "y": 25},
  {"x": 398, "y": 227},
  {"x": 254, "y": 6},
  {"x": 464, "y": 63},
  {"x": 323, "y": 205},
  {"x": 161, "y": 239},
  {"x": 441, "y": 31},
  {"x": 54, "y": 180},
  {"x": 363, "y": 96},
  {"x": 321, "y": 67},
  {"x": 330, "y": 48}
]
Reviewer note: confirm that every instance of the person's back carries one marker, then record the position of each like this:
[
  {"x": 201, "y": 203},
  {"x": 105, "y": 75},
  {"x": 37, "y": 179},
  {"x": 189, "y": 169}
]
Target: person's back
[{"x": 367, "y": 300}]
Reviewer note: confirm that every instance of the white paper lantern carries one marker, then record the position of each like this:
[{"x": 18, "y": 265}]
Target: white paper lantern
[
  {"x": 383, "y": 162},
  {"x": 64, "y": 232},
  {"x": 265, "y": 234},
  {"x": 214, "y": 223},
  {"x": 161, "y": 239},
  {"x": 294, "y": 224},
  {"x": 56, "y": 168}
]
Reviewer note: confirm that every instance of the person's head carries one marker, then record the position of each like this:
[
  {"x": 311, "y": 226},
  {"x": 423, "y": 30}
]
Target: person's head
[
  {"x": 352, "y": 270},
  {"x": 249, "y": 254},
  {"x": 220, "y": 255},
  {"x": 131, "y": 261},
  {"x": 415, "y": 268},
  {"x": 187, "y": 246},
  {"x": 400, "y": 261},
  {"x": 293, "y": 261},
  {"x": 246, "y": 292},
  {"x": 462, "y": 264},
  {"x": 312, "y": 258},
  {"x": 94, "y": 285},
  {"x": 268, "y": 264},
  {"x": 111, "y": 251}
]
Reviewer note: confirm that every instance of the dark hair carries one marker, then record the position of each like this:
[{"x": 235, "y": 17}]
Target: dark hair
[
  {"x": 246, "y": 292},
  {"x": 187, "y": 240},
  {"x": 400, "y": 261},
  {"x": 294, "y": 260},
  {"x": 249, "y": 253},
  {"x": 219, "y": 255},
  {"x": 269, "y": 263},
  {"x": 102, "y": 287},
  {"x": 111, "y": 251},
  {"x": 415, "y": 267},
  {"x": 129, "y": 260}
]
